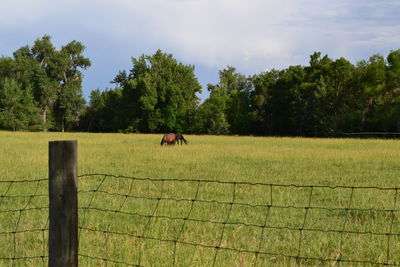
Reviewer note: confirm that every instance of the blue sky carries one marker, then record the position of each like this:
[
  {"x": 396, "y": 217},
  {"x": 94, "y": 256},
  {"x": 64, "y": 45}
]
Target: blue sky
[{"x": 251, "y": 35}]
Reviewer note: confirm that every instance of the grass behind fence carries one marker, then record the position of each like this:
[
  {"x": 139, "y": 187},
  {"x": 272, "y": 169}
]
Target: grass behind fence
[{"x": 250, "y": 159}]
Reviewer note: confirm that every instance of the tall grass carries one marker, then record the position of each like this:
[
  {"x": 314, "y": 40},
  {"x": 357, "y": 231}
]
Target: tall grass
[{"x": 298, "y": 161}]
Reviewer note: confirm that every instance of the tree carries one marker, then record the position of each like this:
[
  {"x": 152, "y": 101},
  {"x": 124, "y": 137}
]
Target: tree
[
  {"x": 211, "y": 117},
  {"x": 393, "y": 82},
  {"x": 159, "y": 93},
  {"x": 260, "y": 98},
  {"x": 53, "y": 77},
  {"x": 104, "y": 113},
  {"x": 65, "y": 67},
  {"x": 228, "y": 108},
  {"x": 237, "y": 87},
  {"x": 18, "y": 110},
  {"x": 46, "y": 86}
]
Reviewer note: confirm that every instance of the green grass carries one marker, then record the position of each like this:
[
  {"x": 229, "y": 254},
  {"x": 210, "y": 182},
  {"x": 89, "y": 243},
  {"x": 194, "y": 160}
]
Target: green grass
[{"x": 298, "y": 161}]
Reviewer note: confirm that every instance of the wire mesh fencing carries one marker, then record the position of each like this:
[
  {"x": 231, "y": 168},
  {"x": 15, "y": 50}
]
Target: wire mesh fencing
[
  {"x": 142, "y": 221},
  {"x": 23, "y": 222}
]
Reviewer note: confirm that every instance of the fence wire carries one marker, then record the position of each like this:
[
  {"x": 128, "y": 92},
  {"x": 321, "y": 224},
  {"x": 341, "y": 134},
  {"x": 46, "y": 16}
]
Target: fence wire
[
  {"x": 210, "y": 222},
  {"x": 143, "y": 221},
  {"x": 23, "y": 222}
]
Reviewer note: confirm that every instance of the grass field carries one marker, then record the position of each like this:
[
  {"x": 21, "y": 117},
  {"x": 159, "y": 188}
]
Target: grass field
[{"x": 304, "y": 222}]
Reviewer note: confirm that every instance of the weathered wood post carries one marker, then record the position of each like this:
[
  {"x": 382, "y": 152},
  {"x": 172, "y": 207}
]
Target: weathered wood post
[{"x": 63, "y": 206}]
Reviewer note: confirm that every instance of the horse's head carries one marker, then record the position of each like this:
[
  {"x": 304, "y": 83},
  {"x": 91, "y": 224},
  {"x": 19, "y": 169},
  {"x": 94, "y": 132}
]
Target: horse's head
[{"x": 163, "y": 141}]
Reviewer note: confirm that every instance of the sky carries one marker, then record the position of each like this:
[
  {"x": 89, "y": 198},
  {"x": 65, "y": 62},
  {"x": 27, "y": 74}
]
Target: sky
[{"x": 251, "y": 35}]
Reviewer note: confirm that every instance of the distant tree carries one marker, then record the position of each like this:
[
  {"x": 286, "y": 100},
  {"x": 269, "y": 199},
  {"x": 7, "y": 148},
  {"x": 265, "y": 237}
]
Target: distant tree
[
  {"x": 260, "y": 98},
  {"x": 64, "y": 67},
  {"x": 228, "y": 108},
  {"x": 53, "y": 78},
  {"x": 392, "y": 107},
  {"x": 104, "y": 113},
  {"x": 159, "y": 94},
  {"x": 46, "y": 86},
  {"x": 211, "y": 116},
  {"x": 237, "y": 87},
  {"x": 18, "y": 110}
]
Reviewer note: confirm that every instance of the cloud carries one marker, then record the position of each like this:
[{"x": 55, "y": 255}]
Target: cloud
[{"x": 252, "y": 35}]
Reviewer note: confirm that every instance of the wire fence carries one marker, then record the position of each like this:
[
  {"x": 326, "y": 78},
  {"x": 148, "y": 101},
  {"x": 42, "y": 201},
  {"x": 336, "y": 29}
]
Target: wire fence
[
  {"x": 143, "y": 221},
  {"x": 23, "y": 222}
]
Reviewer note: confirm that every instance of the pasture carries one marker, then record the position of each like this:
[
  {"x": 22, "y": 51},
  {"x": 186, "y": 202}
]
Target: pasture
[{"x": 191, "y": 223}]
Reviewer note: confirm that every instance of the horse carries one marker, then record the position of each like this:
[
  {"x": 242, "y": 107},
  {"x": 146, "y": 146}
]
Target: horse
[
  {"x": 180, "y": 138},
  {"x": 171, "y": 139}
]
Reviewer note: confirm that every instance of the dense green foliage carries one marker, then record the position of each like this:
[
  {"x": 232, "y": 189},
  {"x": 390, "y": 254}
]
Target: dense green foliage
[
  {"x": 41, "y": 87},
  {"x": 158, "y": 94},
  {"x": 325, "y": 98}
]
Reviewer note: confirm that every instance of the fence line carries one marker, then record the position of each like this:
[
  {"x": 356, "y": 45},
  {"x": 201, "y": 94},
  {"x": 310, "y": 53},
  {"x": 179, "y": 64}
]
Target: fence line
[
  {"x": 226, "y": 222},
  {"x": 201, "y": 192},
  {"x": 14, "y": 257}
]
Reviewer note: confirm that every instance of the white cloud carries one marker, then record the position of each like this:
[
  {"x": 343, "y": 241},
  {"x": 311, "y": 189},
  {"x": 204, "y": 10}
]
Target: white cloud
[{"x": 252, "y": 35}]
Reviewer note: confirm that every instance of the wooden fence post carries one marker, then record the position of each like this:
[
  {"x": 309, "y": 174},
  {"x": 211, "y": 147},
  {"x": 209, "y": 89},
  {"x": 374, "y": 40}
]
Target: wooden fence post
[{"x": 63, "y": 206}]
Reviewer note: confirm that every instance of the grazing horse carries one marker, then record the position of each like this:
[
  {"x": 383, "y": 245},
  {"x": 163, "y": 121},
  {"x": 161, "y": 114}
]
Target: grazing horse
[
  {"x": 179, "y": 137},
  {"x": 171, "y": 139},
  {"x": 168, "y": 139}
]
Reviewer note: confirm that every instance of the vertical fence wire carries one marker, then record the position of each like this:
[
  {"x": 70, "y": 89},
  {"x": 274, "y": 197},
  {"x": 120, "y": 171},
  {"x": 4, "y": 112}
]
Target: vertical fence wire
[
  {"x": 346, "y": 212},
  {"x": 19, "y": 219},
  {"x": 194, "y": 199},
  {"x": 267, "y": 221},
  {"x": 392, "y": 218},
  {"x": 118, "y": 210},
  {"x": 306, "y": 209},
  {"x": 217, "y": 248},
  {"x": 343, "y": 231},
  {"x": 260, "y": 244},
  {"x": 9, "y": 204},
  {"x": 145, "y": 228},
  {"x": 85, "y": 209}
]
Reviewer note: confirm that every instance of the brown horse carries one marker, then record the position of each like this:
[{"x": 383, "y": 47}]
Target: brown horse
[{"x": 171, "y": 139}]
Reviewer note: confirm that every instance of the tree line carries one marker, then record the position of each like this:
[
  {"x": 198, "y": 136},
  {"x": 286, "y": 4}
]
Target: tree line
[{"x": 41, "y": 89}]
